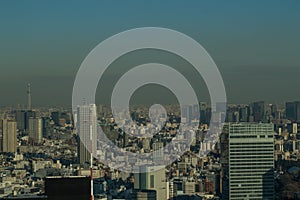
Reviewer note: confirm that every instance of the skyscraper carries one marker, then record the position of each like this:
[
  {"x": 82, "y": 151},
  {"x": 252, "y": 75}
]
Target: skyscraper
[
  {"x": 86, "y": 124},
  {"x": 35, "y": 129},
  {"x": 20, "y": 116},
  {"x": 258, "y": 111},
  {"x": 29, "y": 114},
  {"x": 251, "y": 160},
  {"x": 8, "y": 135},
  {"x": 158, "y": 152},
  {"x": 292, "y": 110}
]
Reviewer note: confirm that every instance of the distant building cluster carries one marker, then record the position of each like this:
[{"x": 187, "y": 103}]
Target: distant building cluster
[{"x": 255, "y": 157}]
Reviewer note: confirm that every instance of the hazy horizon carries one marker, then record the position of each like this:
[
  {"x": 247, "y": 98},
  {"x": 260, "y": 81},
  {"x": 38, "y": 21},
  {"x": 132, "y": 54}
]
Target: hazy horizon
[{"x": 254, "y": 44}]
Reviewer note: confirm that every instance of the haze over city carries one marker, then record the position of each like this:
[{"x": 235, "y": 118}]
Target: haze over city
[
  {"x": 149, "y": 100},
  {"x": 254, "y": 44}
]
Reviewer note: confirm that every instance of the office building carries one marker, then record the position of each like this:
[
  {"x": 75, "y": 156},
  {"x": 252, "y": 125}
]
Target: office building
[
  {"x": 86, "y": 125},
  {"x": 47, "y": 128},
  {"x": 20, "y": 116},
  {"x": 144, "y": 195},
  {"x": 292, "y": 110},
  {"x": 35, "y": 130},
  {"x": 158, "y": 152},
  {"x": 152, "y": 178},
  {"x": 251, "y": 160},
  {"x": 8, "y": 136},
  {"x": 258, "y": 111}
]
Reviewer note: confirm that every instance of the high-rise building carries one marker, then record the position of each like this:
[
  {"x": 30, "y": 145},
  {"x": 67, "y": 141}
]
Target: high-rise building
[
  {"x": 251, "y": 160},
  {"x": 258, "y": 111},
  {"x": 46, "y": 126},
  {"x": 8, "y": 136},
  {"x": 203, "y": 112},
  {"x": 292, "y": 110},
  {"x": 152, "y": 178},
  {"x": 158, "y": 152},
  {"x": 86, "y": 125},
  {"x": 244, "y": 114},
  {"x": 29, "y": 114},
  {"x": 20, "y": 116},
  {"x": 35, "y": 128}
]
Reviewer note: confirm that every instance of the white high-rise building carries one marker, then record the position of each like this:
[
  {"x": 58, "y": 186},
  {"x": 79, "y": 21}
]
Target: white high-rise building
[
  {"x": 251, "y": 160},
  {"x": 86, "y": 125},
  {"x": 158, "y": 152}
]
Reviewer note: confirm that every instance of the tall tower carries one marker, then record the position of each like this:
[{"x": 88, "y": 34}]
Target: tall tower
[
  {"x": 87, "y": 131},
  {"x": 29, "y": 97},
  {"x": 87, "y": 128},
  {"x": 8, "y": 136},
  {"x": 35, "y": 129},
  {"x": 251, "y": 160}
]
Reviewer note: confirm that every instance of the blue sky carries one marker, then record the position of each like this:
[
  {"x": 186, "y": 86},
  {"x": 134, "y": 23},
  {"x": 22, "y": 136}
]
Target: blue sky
[{"x": 254, "y": 43}]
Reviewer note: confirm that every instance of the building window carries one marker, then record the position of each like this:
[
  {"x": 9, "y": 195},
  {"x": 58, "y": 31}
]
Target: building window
[{"x": 152, "y": 181}]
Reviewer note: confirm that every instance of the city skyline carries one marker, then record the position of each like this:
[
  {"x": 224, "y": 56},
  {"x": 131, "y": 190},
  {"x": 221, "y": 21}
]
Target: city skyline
[{"x": 149, "y": 100}]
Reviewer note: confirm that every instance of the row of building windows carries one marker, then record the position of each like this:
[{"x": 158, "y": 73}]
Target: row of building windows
[
  {"x": 251, "y": 136},
  {"x": 257, "y": 178},
  {"x": 252, "y": 153},
  {"x": 250, "y": 174},
  {"x": 253, "y": 144},
  {"x": 233, "y": 150}
]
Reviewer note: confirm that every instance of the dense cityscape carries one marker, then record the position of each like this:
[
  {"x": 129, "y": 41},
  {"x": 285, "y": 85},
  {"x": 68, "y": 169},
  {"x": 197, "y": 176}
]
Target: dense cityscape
[
  {"x": 149, "y": 100},
  {"x": 257, "y": 154}
]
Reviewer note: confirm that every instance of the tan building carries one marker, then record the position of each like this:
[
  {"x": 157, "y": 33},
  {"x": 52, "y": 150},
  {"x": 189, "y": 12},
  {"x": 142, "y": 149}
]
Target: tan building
[
  {"x": 152, "y": 178},
  {"x": 35, "y": 129},
  {"x": 8, "y": 136}
]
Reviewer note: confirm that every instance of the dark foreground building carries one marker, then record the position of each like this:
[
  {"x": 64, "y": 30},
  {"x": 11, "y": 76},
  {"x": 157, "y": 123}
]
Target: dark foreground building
[{"x": 68, "y": 188}]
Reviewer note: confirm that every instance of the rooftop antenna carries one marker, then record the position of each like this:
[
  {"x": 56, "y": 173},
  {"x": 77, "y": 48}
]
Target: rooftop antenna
[{"x": 29, "y": 96}]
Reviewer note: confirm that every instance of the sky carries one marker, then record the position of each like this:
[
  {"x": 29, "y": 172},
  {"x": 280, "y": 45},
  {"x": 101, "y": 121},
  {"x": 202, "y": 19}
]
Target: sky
[{"x": 255, "y": 44}]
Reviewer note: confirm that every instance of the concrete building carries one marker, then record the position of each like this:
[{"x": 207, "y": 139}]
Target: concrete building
[
  {"x": 86, "y": 124},
  {"x": 188, "y": 187},
  {"x": 35, "y": 128},
  {"x": 8, "y": 136},
  {"x": 152, "y": 178},
  {"x": 144, "y": 195},
  {"x": 251, "y": 160},
  {"x": 158, "y": 152},
  {"x": 292, "y": 110}
]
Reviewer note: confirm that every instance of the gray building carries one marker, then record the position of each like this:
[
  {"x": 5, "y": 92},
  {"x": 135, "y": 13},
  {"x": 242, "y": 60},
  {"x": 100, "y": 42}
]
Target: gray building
[
  {"x": 158, "y": 152},
  {"x": 86, "y": 125},
  {"x": 251, "y": 160},
  {"x": 152, "y": 178},
  {"x": 35, "y": 128},
  {"x": 292, "y": 110}
]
